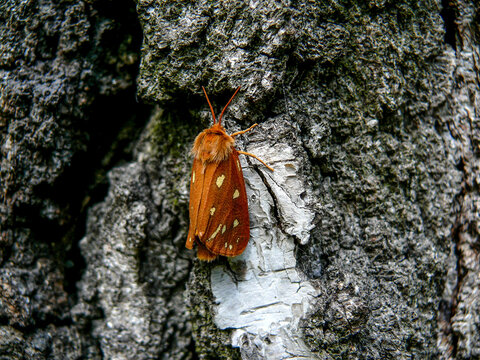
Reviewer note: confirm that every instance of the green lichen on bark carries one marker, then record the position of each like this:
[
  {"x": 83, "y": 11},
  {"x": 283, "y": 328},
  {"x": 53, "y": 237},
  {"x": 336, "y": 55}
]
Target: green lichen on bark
[{"x": 169, "y": 136}]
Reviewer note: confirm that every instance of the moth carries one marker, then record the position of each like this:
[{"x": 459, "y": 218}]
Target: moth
[{"x": 219, "y": 222}]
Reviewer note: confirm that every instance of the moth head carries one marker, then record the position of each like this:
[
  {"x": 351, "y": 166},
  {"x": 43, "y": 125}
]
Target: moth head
[{"x": 213, "y": 145}]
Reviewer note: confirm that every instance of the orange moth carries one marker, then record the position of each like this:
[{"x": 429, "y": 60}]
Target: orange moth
[{"x": 219, "y": 223}]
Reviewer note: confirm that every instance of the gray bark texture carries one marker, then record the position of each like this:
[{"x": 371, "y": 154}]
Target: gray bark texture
[{"x": 365, "y": 240}]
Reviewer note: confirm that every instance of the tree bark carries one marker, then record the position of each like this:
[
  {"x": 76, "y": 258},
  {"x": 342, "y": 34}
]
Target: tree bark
[{"x": 364, "y": 240}]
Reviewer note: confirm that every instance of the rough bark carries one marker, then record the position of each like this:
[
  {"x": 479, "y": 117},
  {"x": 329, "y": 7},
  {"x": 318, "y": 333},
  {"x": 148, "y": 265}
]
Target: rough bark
[
  {"x": 364, "y": 241},
  {"x": 67, "y": 115}
]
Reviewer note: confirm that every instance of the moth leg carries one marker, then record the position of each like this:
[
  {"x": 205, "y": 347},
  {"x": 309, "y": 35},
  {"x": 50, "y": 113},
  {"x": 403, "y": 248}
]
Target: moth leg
[
  {"x": 243, "y": 131},
  {"x": 255, "y": 156}
]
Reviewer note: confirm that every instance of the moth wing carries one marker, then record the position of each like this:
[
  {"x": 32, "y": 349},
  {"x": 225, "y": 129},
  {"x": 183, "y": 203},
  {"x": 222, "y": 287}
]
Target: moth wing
[
  {"x": 223, "y": 222},
  {"x": 197, "y": 179},
  {"x": 197, "y": 182}
]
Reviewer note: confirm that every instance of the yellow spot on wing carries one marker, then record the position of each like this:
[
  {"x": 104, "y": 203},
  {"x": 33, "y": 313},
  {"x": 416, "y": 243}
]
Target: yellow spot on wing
[
  {"x": 212, "y": 211},
  {"x": 238, "y": 165},
  {"x": 230, "y": 247},
  {"x": 235, "y": 223},
  {"x": 236, "y": 194},
  {"x": 226, "y": 245},
  {"x": 224, "y": 228},
  {"x": 215, "y": 233},
  {"x": 193, "y": 178},
  {"x": 220, "y": 180}
]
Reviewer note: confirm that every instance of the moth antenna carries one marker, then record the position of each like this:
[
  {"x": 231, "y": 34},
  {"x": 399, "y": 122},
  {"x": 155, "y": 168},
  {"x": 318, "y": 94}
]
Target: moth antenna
[
  {"x": 229, "y": 101},
  {"x": 211, "y": 108}
]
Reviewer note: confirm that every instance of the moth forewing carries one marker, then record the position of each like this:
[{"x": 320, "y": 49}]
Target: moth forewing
[{"x": 228, "y": 229}]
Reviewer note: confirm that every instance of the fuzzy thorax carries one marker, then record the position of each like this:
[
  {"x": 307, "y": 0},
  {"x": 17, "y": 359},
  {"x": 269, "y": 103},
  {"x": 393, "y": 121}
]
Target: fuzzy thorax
[{"x": 213, "y": 145}]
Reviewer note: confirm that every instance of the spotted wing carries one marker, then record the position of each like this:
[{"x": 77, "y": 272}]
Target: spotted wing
[{"x": 222, "y": 225}]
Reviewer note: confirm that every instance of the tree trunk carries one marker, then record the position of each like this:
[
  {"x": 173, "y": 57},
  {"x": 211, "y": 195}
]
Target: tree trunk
[{"x": 364, "y": 241}]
